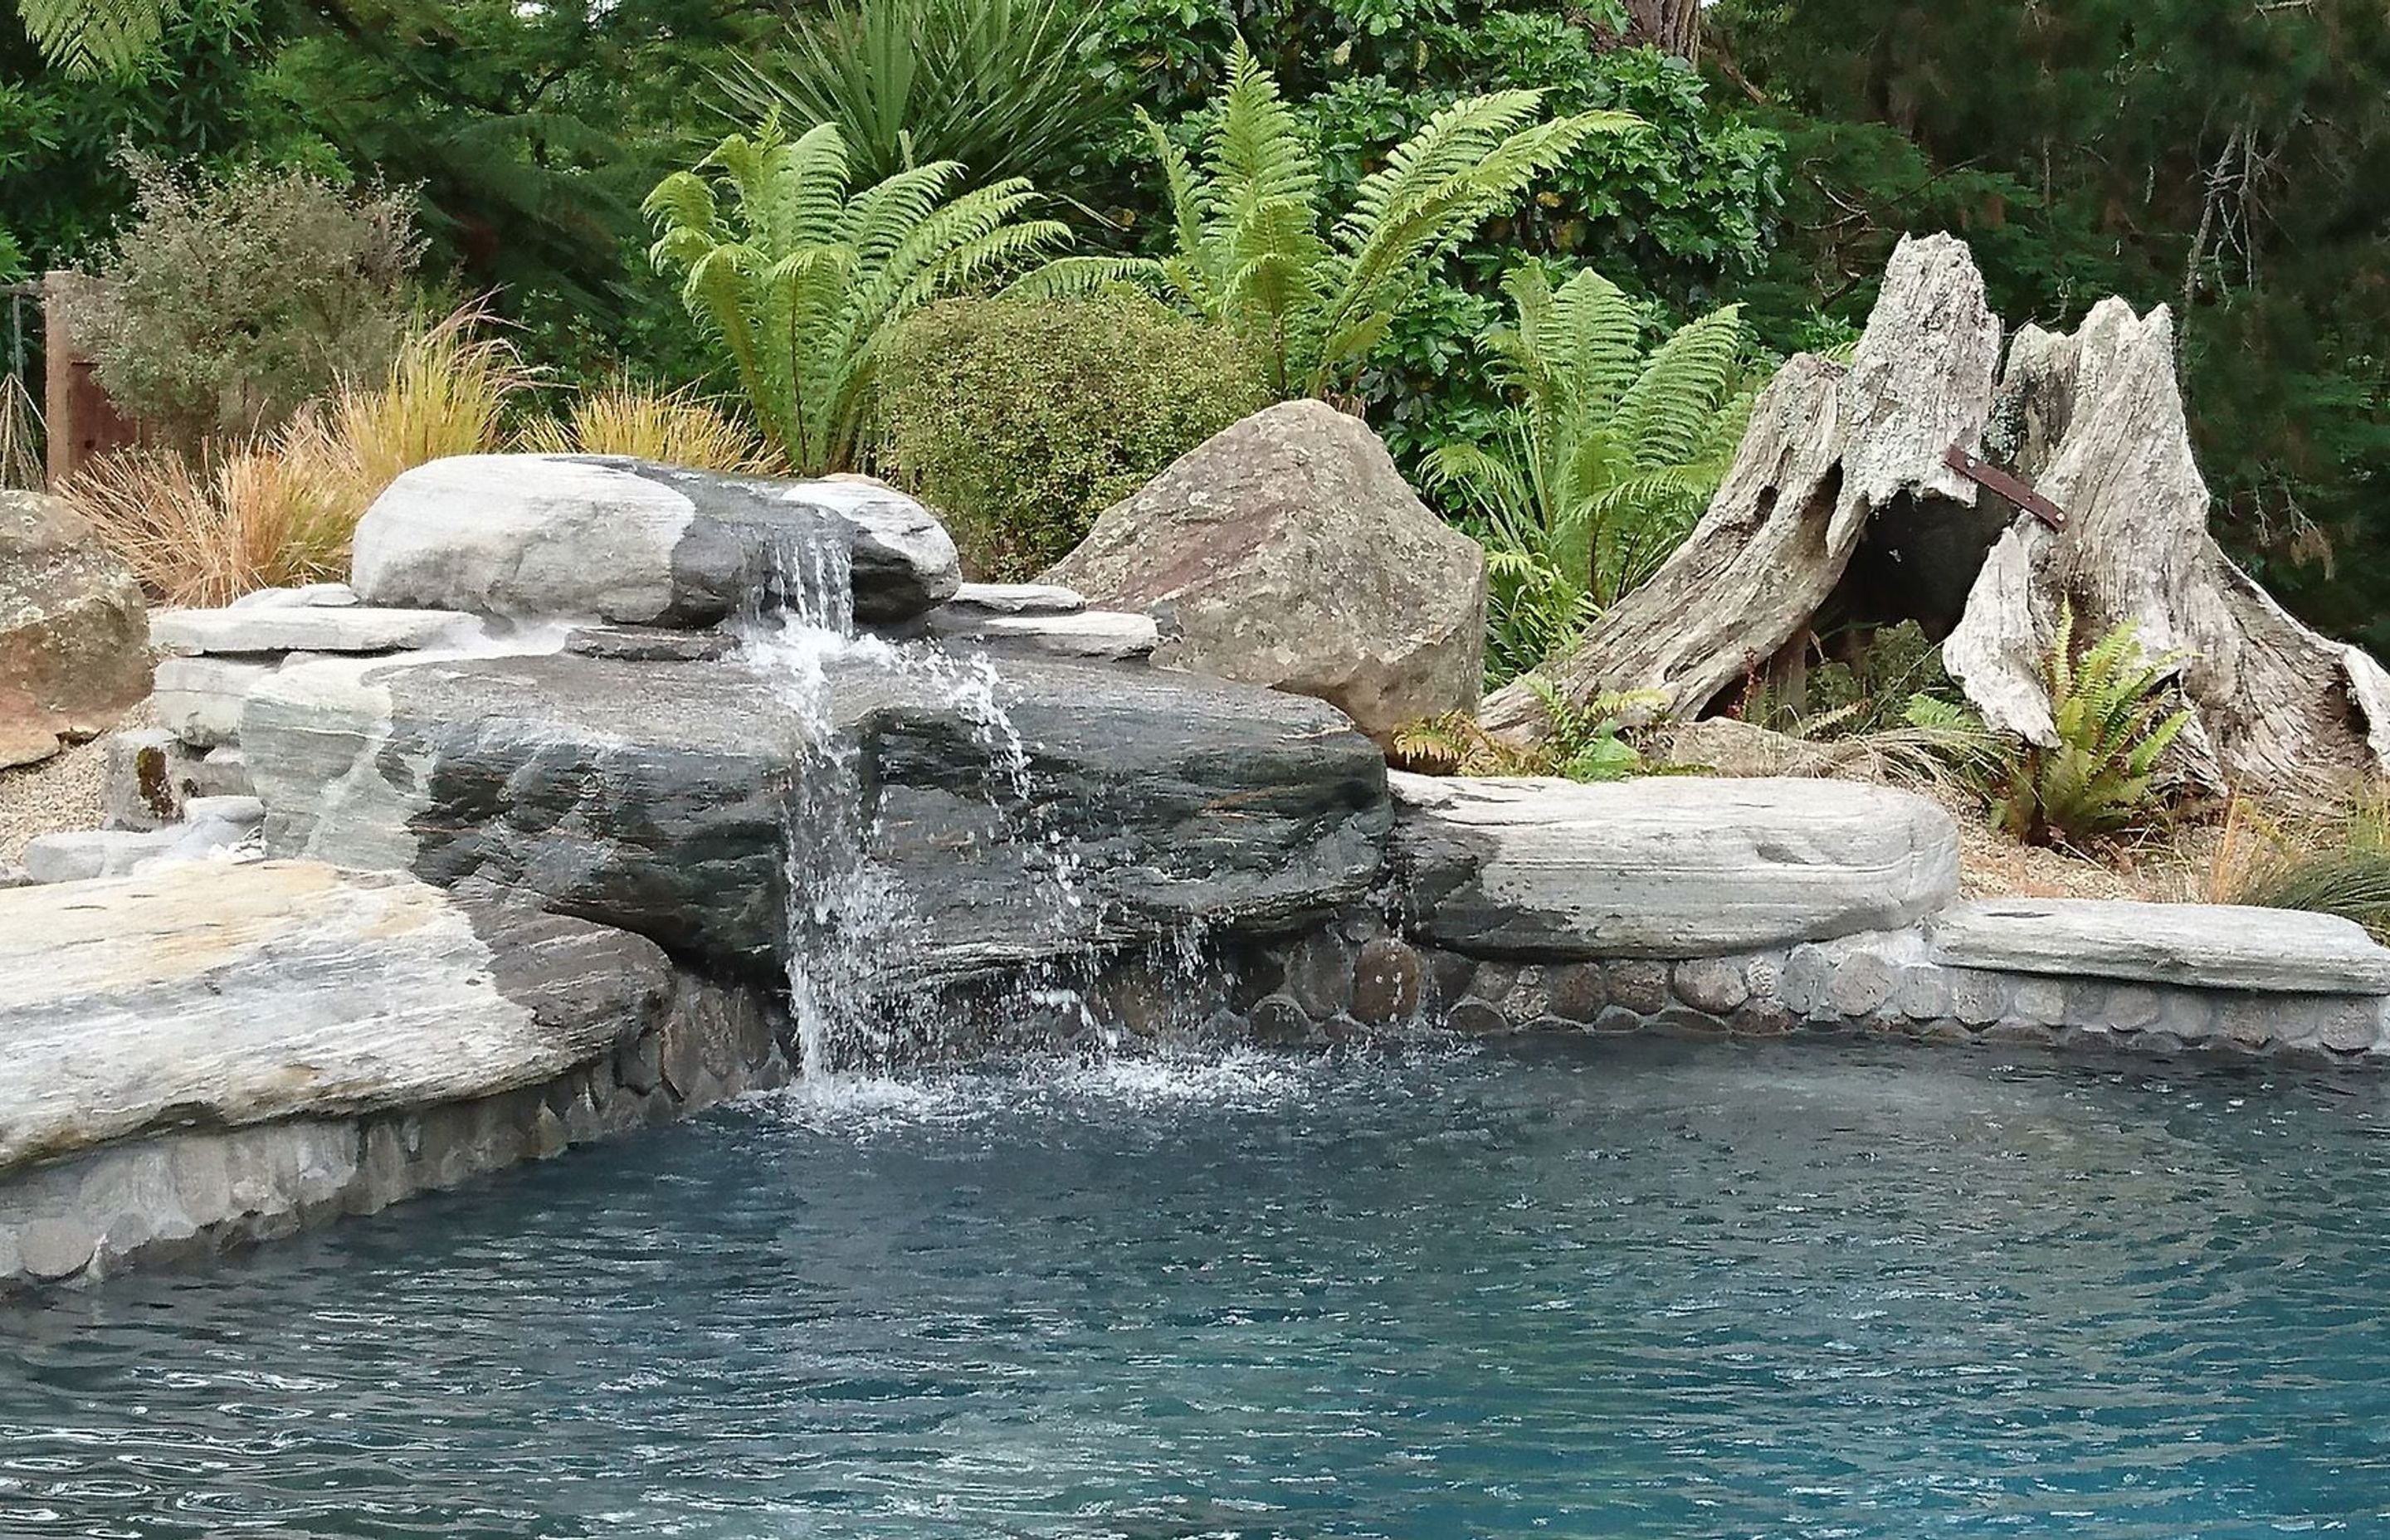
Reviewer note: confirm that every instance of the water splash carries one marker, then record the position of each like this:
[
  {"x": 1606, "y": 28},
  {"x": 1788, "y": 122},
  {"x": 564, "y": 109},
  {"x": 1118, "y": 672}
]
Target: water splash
[{"x": 851, "y": 928}]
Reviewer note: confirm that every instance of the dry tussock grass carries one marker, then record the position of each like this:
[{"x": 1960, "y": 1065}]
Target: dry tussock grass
[{"x": 283, "y": 508}]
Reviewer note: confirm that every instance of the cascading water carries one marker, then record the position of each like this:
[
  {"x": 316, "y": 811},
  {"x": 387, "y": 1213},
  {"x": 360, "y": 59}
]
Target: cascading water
[{"x": 850, "y": 923}]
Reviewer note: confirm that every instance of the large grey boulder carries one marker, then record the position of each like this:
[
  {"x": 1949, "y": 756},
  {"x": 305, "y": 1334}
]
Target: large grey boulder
[
  {"x": 616, "y": 539},
  {"x": 662, "y": 797},
  {"x": 2199, "y": 945},
  {"x": 228, "y": 995},
  {"x": 74, "y": 640},
  {"x": 1286, "y": 550},
  {"x": 1663, "y": 867}
]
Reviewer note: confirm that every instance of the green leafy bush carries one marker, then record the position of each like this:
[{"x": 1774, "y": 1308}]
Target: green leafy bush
[
  {"x": 1600, "y": 466},
  {"x": 806, "y": 284},
  {"x": 2108, "y": 710},
  {"x": 1248, "y": 252},
  {"x": 230, "y": 302},
  {"x": 998, "y": 85},
  {"x": 1020, "y": 420}
]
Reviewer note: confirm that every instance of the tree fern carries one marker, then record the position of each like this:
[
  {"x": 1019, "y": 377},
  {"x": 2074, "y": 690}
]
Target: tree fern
[
  {"x": 1248, "y": 249},
  {"x": 1601, "y": 464},
  {"x": 91, "y": 36},
  {"x": 2111, "y": 727},
  {"x": 805, "y": 284}
]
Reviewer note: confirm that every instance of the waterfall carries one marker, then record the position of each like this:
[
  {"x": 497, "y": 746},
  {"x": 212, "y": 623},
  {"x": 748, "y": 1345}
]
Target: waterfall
[{"x": 850, "y": 923}]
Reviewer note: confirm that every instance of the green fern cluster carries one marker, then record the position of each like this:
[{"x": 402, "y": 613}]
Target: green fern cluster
[
  {"x": 2109, "y": 710},
  {"x": 1588, "y": 742},
  {"x": 1602, "y": 464},
  {"x": 1249, "y": 251},
  {"x": 806, "y": 285}
]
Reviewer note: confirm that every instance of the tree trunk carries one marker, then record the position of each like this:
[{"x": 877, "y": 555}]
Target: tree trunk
[
  {"x": 1827, "y": 448},
  {"x": 2276, "y": 708},
  {"x": 1672, "y": 26}
]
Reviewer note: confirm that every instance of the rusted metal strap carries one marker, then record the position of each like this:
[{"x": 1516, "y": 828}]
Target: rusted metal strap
[{"x": 2008, "y": 486}]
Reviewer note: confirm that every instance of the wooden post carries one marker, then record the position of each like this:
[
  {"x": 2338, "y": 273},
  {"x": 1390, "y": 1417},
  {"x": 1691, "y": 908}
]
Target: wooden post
[{"x": 82, "y": 421}]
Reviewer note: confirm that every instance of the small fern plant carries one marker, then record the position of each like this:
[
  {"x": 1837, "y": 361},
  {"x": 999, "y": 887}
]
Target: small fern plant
[
  {"x": 1248, "y": 250},
  {"x": 1602, "y": 463},
  {"x": 1586, "y": 743},
  {"x": 806, "y": 285},
  {"x": 2109, "y": 709}
]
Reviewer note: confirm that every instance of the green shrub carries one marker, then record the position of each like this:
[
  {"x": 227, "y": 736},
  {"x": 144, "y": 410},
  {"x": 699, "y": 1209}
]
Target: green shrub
[
  {"x": 1247, "y": 215},
  {"x": 230, "y": 302},
  {"x": 1020, "y": 420},
  {"x": 998, "y": 85}
]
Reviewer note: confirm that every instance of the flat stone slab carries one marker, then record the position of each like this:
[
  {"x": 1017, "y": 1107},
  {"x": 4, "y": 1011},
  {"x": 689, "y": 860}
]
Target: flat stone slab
[
  {"x": 199, "y": 699},
  {"x": 1014, "y": 598},
  {"x": 326, "y": 595},
  {"x": 1664, "y": 867},
  {"x": 307, "y": 628},
  {"x": 1119, "y": 635},
  {"x": 219, "y": 997},
  {"x": 2198, "y": 945}
]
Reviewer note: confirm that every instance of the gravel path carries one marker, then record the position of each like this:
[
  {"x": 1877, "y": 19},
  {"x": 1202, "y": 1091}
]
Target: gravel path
[{"x": 64, "y": 793}]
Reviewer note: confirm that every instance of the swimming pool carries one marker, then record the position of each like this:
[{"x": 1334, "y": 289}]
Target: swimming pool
[{"x": 1613, "y": 1288}]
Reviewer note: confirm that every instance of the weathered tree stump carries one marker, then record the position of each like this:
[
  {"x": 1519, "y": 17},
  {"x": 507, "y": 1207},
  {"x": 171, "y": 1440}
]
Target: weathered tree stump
[
  {"x": 2094, "y": 421},
  {"x": 2276, "y": 708},
  {"x": 1829, "y": 447}
]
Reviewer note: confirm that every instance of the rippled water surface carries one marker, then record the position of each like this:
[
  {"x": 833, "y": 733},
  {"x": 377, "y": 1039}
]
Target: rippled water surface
[{"x": 1590, "y": 1290}]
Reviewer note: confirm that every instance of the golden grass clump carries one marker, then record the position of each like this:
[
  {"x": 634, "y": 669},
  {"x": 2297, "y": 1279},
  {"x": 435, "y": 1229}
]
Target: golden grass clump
[
  {"x": 283, "y": 508},
  {"x": 626, "y": 416},
  {"x": 2334, "y": 863}
]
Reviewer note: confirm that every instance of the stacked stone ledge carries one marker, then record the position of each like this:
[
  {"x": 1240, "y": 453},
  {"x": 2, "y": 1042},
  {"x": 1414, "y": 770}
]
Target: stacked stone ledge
[{"x": 1762, "y": 907}]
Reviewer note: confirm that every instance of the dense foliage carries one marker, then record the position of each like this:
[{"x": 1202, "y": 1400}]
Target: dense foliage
[
  {"x": 228, "y": 304},
  {"x": 1601, "y": 464},
  {"x": 806, "y": 284},
  {"x": 2219, "y": 155},
  {"x": 1248, "y": 250},
  {"x": 1020, "y": 420}
]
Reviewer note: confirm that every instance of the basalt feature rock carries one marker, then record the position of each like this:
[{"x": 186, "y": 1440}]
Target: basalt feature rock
[
  {"x": 1286, "y": 550},
  {"x": 629, "y": 541},
  {"x": 74, "y": 645},
  {"x": 1665, "y": 866},
  {"x": 658, "y": 797}
]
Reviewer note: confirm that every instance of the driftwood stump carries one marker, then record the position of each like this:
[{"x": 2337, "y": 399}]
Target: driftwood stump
[
  {"x": 1829, "y": 447},
  {"x": 2276, "y": 708},
  {"x": 1837, "y": 458}
]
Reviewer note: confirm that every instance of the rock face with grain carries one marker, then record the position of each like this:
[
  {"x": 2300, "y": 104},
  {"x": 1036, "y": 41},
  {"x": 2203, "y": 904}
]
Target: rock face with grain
[
  {"x": 1667, "y": 867},
  {"x": 2213, "y": 946},
  {"x": 227, "y": 996},
  {"x": 657, "y": 797},
  {"x": 611, "y": 538},
  {"x": 1287, "y": 551},
  {"x": 74, "y": 640}
]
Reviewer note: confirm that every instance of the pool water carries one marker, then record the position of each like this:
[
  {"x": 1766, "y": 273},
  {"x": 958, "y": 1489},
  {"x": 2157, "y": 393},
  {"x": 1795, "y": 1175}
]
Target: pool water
[{"x": 1584, "y": 1288}]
